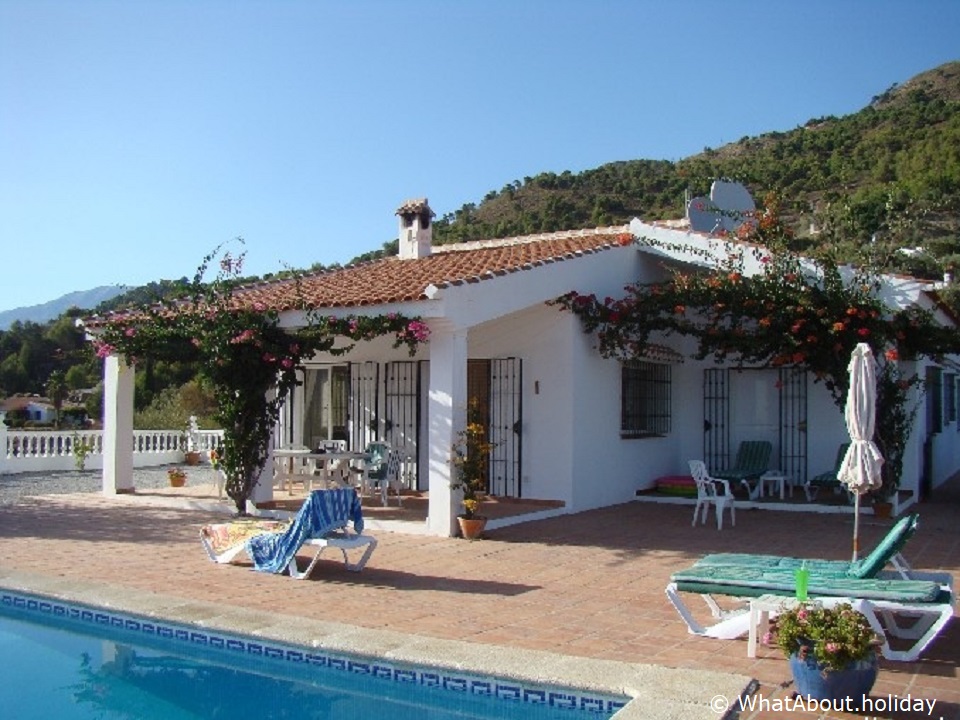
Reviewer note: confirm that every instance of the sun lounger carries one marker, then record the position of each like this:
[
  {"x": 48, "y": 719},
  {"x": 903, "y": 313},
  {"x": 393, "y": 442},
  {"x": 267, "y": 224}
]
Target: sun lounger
[
  {"x": 872, "y": 565},
  {"x": 224, "y": 541},
  {"x": 752, "y": 461},
  {"x": 927, "y": 605},
  {"x": 321, "y": 522}
]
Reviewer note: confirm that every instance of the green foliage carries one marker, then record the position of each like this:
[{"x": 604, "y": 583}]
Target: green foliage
[
  {"x": 165, "y": 412},
  {"x": 834, "y": 636},
  {"x": 81, "y": 449},
  {"x": 57, "y": 393},
  {"x": 247, "y": 359}
]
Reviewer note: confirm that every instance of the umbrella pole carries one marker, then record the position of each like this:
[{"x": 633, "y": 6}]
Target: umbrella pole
[{"x": 856, "y": 526}]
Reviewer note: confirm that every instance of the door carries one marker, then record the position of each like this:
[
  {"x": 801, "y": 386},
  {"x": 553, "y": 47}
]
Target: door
[
  {"x": 767, "y": 405},
  {"x": 401, "y": 415},
  {"x": 494, "y": 391}
]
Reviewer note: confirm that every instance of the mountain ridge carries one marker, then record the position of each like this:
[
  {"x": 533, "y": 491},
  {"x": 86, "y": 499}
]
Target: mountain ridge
[{"x": 52, "y": 309}]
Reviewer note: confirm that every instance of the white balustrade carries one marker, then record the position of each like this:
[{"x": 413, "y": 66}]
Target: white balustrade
[{"x": 41, "y": 450}]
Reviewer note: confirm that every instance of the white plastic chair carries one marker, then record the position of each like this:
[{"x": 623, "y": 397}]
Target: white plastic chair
[{"x": 711, "y": 491}]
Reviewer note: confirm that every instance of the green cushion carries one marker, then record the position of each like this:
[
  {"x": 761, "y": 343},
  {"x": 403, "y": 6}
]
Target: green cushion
[
  {"x": 868, "y": 567},
  {"x": 753, "y": 460},
  {"x": 838, "y": 568},
  {"x": 891, "y": 544},
  {"x": 829, "y": 478},
  {"x": 752, "y": 582}
]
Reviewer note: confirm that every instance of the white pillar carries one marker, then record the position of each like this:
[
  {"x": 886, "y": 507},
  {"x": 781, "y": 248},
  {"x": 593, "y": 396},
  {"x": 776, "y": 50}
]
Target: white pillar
[
  {"x": 3, "y": 447},
  {"x": 263, "y": 488},
  {"x": 447, "y": 410},
  {"x": 117, "y": 425}
]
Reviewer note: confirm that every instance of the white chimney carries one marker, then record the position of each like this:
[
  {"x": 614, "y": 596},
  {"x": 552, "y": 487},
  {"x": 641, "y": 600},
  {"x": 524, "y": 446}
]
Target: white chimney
[{"x": 416, "y": 231}]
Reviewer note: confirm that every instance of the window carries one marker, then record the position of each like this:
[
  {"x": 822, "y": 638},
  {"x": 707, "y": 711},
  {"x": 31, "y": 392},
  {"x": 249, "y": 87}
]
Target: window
[
  {"x": 644, "y": 399},
  {"x": 326, "y": 390}
]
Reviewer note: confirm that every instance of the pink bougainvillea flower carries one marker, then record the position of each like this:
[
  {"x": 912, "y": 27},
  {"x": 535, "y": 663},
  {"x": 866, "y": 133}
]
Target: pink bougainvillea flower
[{"x": 104, "y": 350}]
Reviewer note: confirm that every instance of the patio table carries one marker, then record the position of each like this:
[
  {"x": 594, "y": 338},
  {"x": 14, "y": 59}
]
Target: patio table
[{"x": 311, "y": 461}]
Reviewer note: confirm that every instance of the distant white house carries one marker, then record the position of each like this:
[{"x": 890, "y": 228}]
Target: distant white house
[
  {"x": 554, "y": 407},
  {"x": 37, "y": 409}
]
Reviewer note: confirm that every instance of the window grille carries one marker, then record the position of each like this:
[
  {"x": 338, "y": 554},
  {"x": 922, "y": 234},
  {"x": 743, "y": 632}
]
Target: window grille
[{"x": 644, "y": 399}]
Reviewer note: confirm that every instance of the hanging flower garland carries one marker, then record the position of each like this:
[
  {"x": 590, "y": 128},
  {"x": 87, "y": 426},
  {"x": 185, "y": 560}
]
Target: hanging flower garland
[{"x": 250, "y": 361}]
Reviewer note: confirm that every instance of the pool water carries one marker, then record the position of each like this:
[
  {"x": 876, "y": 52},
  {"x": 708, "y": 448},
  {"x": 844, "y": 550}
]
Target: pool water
[{"x": 73, "y": 663}]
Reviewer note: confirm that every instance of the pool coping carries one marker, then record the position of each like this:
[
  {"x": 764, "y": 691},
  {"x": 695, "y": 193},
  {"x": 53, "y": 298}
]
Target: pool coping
[{"x": 655, "y": 691}]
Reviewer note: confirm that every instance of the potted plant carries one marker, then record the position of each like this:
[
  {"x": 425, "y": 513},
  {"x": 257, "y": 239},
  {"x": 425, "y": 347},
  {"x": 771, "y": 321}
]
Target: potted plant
[
  {"x": 832, "y": 651},
  {"x": 177, "y": 477},
  {"x": 469, "y": 457}
]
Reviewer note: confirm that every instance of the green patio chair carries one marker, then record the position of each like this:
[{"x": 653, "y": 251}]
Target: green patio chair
[
  {"x": 753, "y": 460},
  {"x": 826, "y": 480}
]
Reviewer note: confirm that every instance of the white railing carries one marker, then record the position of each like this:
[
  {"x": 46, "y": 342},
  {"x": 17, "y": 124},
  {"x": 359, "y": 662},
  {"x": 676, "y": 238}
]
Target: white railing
[{"x": 42, "y": 450}]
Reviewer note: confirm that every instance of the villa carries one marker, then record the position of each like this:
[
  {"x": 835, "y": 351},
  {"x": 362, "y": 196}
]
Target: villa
[{"x": 568, "y": 425}]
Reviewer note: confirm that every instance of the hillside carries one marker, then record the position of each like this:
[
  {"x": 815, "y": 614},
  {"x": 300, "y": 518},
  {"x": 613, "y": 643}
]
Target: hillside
[{"x": 890, "y": 172}]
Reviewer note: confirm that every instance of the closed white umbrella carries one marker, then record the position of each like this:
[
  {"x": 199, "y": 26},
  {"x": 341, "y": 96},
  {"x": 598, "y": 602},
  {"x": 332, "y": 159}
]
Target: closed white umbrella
[{"x": 860, "y": 469}]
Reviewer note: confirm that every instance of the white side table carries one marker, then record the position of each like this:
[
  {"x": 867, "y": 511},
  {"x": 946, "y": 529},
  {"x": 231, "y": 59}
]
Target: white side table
[{"x": 774, "y": 478}]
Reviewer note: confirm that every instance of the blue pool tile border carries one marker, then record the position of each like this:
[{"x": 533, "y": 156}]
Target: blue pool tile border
[{"x": 560, "y": 698}]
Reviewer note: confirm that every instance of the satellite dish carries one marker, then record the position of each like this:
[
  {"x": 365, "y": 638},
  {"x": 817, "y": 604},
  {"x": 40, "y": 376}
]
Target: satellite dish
[
  {"x": 703, "y": 215},
  {"x": 734, "y": 201},
  {"x": 728, "y": 207}
]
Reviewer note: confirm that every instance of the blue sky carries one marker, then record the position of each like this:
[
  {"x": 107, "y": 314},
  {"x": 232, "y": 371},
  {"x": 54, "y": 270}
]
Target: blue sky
[{"x": 136, "y": 135}]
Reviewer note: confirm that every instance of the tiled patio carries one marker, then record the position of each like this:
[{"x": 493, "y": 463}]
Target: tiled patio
[{"x": 588, "y": 585}]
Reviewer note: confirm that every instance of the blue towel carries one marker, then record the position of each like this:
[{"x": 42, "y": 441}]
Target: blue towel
[{"x": 323, "y": 512}]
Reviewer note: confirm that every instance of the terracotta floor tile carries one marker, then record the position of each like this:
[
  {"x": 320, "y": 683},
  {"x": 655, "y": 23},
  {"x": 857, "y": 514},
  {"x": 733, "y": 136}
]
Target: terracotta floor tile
[{"x": 588, "y": 585}]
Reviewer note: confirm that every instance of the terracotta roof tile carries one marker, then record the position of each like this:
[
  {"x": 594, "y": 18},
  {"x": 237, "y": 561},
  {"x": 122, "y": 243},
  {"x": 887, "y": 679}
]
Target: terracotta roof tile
[{"x": 393, "y": 280}]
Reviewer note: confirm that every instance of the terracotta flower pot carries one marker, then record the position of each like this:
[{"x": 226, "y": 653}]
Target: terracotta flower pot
[{"x": 471, "y": 528}]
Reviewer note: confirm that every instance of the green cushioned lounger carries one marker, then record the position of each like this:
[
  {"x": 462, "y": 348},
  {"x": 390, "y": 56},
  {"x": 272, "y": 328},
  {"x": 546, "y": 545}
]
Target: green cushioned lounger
[
  {"x": 869, "y": 566},
  {"x": 744, "y": 581}
]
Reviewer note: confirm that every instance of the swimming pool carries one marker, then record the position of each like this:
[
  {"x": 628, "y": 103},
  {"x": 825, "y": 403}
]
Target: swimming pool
[{"x": 72, "y": 662}]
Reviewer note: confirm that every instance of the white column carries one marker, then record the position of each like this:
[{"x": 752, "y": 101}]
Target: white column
[
  {"x": 263, "y": 488},
  {"x": 447, "y": 410},
  {"x": 3, "y": 447},
  {"x": 117, "y": 425}
]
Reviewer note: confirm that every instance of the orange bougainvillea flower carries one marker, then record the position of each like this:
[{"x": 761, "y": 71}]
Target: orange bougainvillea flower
[
  {"x": 892, "y": 355},
  {"x": 838, "y": 326}
]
